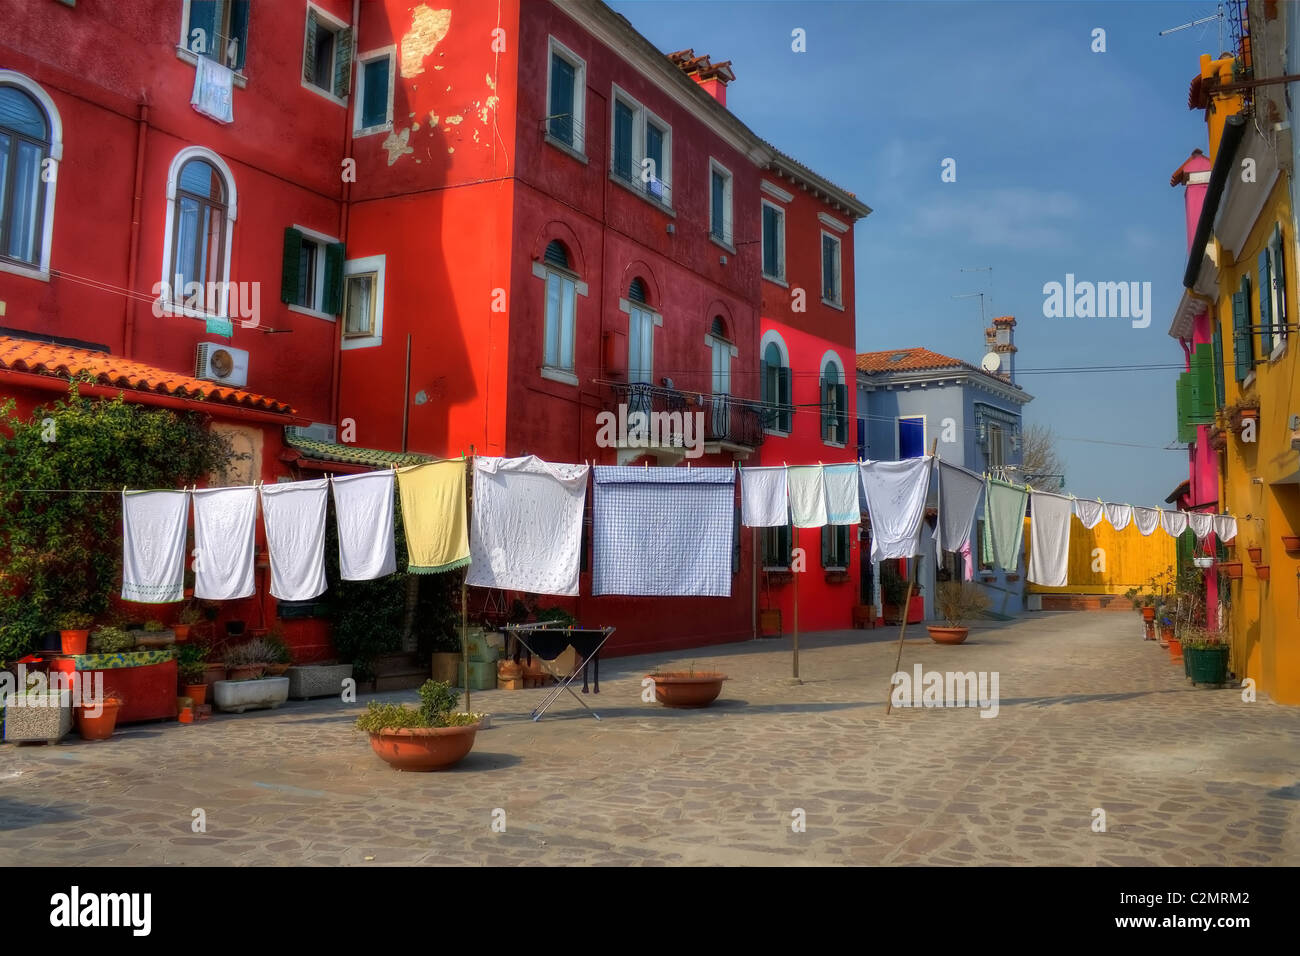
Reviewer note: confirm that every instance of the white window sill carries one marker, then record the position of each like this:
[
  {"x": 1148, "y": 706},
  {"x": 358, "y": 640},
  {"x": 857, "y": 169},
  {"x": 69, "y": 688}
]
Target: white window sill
[
  {"x": 645, "y": 196},
  {"x": 240, "y": 80},
  {"x": 724, "y": 243},
  {"x": 325, "y": 94},
  {"x": 1249, "y": 380},
  {"x": 361, "y": 342},
  {"x": 833, "y": 305},
  {"x": 314, "y": 313},
  {"x": 1278, "y": 351},
  {"x": 777, "y": 568},
  {"x": 775, "y": 434},
  {"x": 834, "y": 444},
  {"x": 564, "y": 147},
  {"x": 558, "y": 375},
  {"x": 373, "y": 130},
  {"x": 30, "y": 272},
  {"x": 843, "y": 569},
  {"x": 776, "y": 280},
  {"x": 176, "y": 309}
]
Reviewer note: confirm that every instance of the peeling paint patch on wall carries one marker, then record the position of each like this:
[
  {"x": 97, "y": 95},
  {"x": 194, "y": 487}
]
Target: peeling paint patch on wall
[
  {"x": 428, "y": 28},
  {"x": 455, "y": 120},
  {"x": 397, "y": 146}
]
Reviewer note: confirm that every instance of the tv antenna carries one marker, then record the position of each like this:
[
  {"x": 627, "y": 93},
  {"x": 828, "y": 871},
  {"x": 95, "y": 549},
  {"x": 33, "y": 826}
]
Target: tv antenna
[
  {"x": 1219, "y": 15},
  {"x": 968, "y": 295}
]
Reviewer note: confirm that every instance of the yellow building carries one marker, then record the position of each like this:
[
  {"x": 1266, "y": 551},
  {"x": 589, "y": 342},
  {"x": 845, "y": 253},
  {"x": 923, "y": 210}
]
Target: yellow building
[{"x": 1243, "y": 261}]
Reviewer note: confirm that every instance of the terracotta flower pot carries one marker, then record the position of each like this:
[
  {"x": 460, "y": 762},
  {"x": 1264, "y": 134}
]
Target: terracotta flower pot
[
  {"x": 182, "y": 632},
  {"x": 1166, "y": 633},
  {"x": 1291, "y": 542},
  {"x": 277, "y": 670},
  {"x": 1148, "y": 614},
  {"x": 509, "y": 670},
  {"x": 213, "y": 673},
  {"x": 684, "y": 689},
  {"x": 947, "y": 635},
  {"x": 197, "y": 693},
  {"x": 101, "y": 727},
  {"x": 74, "y": 642},
  {"x": 245, "y": 672},
  {"x": 1234, "y": 570},
  {"x": 1261, "y": 571},
  {"x": 1150, "y": 631},
  {"x": 1256, "y": 555},
  {"x": 1175, "y": 648},
  {"x": 424, "y": 748}
]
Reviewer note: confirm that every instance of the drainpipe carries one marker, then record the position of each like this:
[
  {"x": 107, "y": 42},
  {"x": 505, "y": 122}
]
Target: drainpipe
[
  {"x": 1234, "y": 130},
  {"x": 131, "y": 303},
  {"x": 336, "y": 369}
]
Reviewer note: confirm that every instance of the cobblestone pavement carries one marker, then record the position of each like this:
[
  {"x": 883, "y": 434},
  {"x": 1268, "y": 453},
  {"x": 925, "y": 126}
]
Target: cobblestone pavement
[{"x": 1090, "y": 717}]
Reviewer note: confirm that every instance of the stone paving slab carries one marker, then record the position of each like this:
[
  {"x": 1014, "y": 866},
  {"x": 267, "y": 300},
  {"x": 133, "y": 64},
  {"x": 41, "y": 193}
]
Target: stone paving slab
[{"x": 1090, "y": 717}]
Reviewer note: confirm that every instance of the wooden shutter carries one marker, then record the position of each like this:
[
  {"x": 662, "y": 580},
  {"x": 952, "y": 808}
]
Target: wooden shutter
[
  {"x": 1279, "y": 280},
  {"x": 827, "y": 532},
  {"x": 1265, "y": 304},
  {"x": 783, "y": 395},
  {"x": 309, "y": 49},
  {"x": 289, "y": 291},
  {"x": 1203, "y": 384},
  {"x": 622, "y": 141},
  {"x": 334, "y": 254},
  {"x": 1242, "y": 341},
  {"x": 823, "y": 389},
  {"x": 1217, "y": 357},
  {"x": 238, "y": 36},
  {"x": 343, "y": 62},
  {"x": 735, "y": 540},
  {"x": 841, "y": 413}
]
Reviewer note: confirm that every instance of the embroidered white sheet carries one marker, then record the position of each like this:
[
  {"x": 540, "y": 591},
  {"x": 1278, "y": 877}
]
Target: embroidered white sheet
[
  {"x": 363, "y": 512},
  {"x": 153, "y": 545},
  {"x": 294, "y": 515}
]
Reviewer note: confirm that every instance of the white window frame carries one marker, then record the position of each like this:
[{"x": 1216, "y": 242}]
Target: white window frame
[
  {"x": 641, "y": 118},
  {"x": 579, "y": 148},
  {"x": 336, "y": 26},
  {"x": 778, "y": 279},
  {"x": 1280, "y": 335},
  {"x": 837, "y": 530},
  {"x": 838, "y": 301},
  {"x": 773, "y": 337},
  {"x": 717, "y": 345},
  {"x": 41, "y": 271},
  {"x": 318, "y": 294},
  {"x": 567, "y": 376},
  {"x": 183, "y": 45},
  {"x": 359, "y": 86},
  {"x": 628, "y": 306},
  {"x": 832, "y": 360},
  {"x": 727, "y": 240},
  {"x": 361, "y": 266},
  {"x": 176, "y": 306},
  {"x": 898, "y": 440}
]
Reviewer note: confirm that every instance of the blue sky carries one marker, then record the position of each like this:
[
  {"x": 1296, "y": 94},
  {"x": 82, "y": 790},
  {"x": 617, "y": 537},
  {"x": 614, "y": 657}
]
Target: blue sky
[{"x": 1063, "y": 163}]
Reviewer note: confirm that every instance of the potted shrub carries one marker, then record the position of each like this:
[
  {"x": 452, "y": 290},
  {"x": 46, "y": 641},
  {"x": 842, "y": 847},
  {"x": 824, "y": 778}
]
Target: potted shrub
[
  {"x": 248, "y": 661},
  {"x": 1206, "y": 656},
  {"x": 429, "y": 737},
  {"x": 154, "y": 634},
  {"x": 190, "y": 614},
  {"x": 957, "y": 602},
  {"x": 74, "y": 631},
  {"x": 191, "y": 664},
  {"x": 110, "y": 640},
  {"x": 247, "y": 687},
  {"x": 688, "y": 688},
  {"x": 99, "y": 726},
  {"x": 1169, "y": 638},
  {"x": 277, "y": 650}
]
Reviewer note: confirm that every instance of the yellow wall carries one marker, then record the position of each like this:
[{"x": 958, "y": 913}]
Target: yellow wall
[
  {"x": 1260, "y": 479},
  {"x": 1130, "y": 560}
]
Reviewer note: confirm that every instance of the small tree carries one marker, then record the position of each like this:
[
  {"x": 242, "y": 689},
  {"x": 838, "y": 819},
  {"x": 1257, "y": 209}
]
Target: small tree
[{"x": 1040, "y": 457}]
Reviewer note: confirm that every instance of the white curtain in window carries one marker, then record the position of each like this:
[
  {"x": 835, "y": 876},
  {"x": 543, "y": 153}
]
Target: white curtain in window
[
  {"x": 640, "y": 365},
  {"x": 27, "y": 181}
]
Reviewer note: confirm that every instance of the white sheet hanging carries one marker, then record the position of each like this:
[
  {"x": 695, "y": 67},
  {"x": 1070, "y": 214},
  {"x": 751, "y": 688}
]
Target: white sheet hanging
[
  {"x": 841, "y": 484},
  {"x": 294, "y": 515},
  {"x": 895, "y": 492},
  {"x": 153, "y": 545},
  {"x": 1119, "y": 516},
  {"x": 764, "y": 497},
  {"x": 959, "y": 499},
  {"x": 1174, "y": 522},
  {"x": 526, "y": 529},
  {"x": 1225, "y": 527},
  {"x": 1146, "y": 519},
  {"x": 225, "y": 524},
  {"x": 1049, "y": 539},
  {"x": 1089, "y": 512},
  {"x": 807, "y": 496},
  {"x": 1201, "y": 523},
  {"x": 363, "y": 513}
]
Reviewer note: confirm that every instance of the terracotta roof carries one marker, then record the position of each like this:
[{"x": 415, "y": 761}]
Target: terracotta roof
[
  {"x": 351, "y": 454},
  {"x": 907, "y": 360},
  {"x": 113, "y": 371}
]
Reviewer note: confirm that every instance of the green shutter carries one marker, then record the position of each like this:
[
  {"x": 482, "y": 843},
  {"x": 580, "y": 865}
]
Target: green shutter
[
  {"x": 783, "y": 395},
  {"x": 1242, "y": 341},
  {"x": 1217, "y": 358},
  {"x": 309, "y": 50},
  {"x": 827, "y": 530},
  {"x": 334, "y": 278},
  {"x": 1203, "y": 387},
  {"x": 289, "y": 290},
  {"x": 824, "y": 390},
  {"x": 1265, "y": 305},
  {"x": 1279, "y": 279},
  {"x": 842, "y": 413},
  {"x": 1186, "y": 433},
  {"x": 343, "y": 62}
]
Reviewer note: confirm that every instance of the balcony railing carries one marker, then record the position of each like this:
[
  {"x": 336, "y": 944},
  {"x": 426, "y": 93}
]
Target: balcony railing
[{"x": 726, "y": 419}]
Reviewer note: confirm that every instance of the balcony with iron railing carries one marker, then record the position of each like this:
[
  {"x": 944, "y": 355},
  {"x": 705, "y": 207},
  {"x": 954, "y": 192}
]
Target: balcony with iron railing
[{"x": 670, "y": 421}]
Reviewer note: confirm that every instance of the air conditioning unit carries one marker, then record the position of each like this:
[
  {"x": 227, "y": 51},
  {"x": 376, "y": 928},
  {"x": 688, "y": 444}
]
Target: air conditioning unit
[{"x": 221, "y": 363}]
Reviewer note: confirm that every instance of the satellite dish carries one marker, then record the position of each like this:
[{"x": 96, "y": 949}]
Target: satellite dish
[{"x": 991, "y": 362}]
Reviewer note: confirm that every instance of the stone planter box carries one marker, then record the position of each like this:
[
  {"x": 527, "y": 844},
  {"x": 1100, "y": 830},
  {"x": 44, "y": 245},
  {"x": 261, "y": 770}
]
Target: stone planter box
[
  {"x": 317, "y": 680},
  {"x": 38, "y": 723},
  {"x": 237, "y": 696}
]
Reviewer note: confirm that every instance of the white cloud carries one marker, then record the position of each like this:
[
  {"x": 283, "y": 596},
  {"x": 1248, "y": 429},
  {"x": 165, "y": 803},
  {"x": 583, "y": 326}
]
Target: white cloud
[{"x": 1017, "y": 218}]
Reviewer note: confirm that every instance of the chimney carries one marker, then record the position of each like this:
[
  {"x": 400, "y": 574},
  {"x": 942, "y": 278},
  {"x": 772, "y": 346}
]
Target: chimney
[
  {"x": 714, "y": 77},
  {"x": 1194, "y": 175},
  {"x": 1001, "y": 338}
]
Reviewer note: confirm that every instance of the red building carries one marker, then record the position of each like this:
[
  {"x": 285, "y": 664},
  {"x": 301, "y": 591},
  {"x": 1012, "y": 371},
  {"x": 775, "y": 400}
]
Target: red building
[{"x": 475, "y": 227}]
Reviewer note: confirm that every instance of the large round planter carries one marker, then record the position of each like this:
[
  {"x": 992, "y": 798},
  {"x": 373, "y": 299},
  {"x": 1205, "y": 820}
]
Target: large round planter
[
  {"x": 684, "y": 689},
  {"x": 197, "y": 693},
  {"x": 424, "y": 748},
  {"x": 1207, "y": 665},
  {"x": 74, "y": 642},
  {"x": 1175, "y": 649},
  {"x": 1148, "y": 614},
  {"x": 101, "y": 727},
  {"x": 947, "y": 635}
]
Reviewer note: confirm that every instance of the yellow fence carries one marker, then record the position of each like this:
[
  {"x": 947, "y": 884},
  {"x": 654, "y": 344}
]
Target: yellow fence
[{"x": 1124, "y": 559}]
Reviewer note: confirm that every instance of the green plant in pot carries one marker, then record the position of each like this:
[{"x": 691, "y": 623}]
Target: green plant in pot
[
  {"x": 277, "y": 649},
  {"x": 957, "y": 602},
  {"x": 1205, "y": 655},
  {"x": 74, "y": 631},
  {"x": 248, "y": 661},
  {"x": 110, "y": 640},
  {"x": 430, "y": 737},
  {"x": 191, "y": 664}
]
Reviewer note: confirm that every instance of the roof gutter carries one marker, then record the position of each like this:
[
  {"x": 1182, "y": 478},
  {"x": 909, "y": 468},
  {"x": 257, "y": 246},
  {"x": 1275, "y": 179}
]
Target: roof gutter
[{"x": 1234, "y": 130}]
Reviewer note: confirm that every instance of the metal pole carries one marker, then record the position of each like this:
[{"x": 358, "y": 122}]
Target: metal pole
[
  {"x": 907, "y": 604},
  {"x": 796, "y": 603}
]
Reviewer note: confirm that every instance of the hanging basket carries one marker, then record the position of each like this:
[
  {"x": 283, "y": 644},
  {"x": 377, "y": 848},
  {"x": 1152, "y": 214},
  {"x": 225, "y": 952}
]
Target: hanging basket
[{"x": 1203, "y": 562}]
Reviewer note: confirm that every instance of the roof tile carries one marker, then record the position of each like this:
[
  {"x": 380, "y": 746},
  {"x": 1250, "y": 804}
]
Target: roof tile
[{"x": 906, "y": 360}]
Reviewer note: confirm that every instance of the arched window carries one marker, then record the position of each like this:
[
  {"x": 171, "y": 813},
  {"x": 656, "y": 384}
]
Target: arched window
[
  {"x": 201, "y": 210},
  {"x": 30, "y": 146},
  {"x": 834, "y": 401},
  {"x": 561, "y": 308},
  {"x": 775, "y": 385},
  {"x": 721, "y": 348},
  {"x": 640, "y": 335}
]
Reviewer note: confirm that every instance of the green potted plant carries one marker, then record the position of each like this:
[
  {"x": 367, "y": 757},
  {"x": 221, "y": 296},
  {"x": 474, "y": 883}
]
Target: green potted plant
[
  {"x": 110, "y": 640},
  {"x": 191, "y": 663},
  {"x": 957, "y": 602},
  {"x": 74, "y": 631},
  {"x": 1206, "y": 656},
  {"x": 190, "y": 614},
  {"x": 429, "y": 737},
  {"x": 688, "y": 688},
  {"x": 277, "y": 649},
  {"x": 248, "y": 687},
  {"x": 248, "y": 661}
]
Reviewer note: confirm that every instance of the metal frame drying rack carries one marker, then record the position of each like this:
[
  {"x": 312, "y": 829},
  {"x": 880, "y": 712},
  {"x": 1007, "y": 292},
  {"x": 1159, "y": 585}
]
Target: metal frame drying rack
[{"x": 564, "y": 682}]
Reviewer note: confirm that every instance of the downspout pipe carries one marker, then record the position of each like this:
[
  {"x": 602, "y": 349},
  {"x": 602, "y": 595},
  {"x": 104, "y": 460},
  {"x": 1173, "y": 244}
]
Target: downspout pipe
[
  {"x": 132, "y": 303},
  {"x": 345, "y": 207},
  {"x": 1234, "y": 130}
]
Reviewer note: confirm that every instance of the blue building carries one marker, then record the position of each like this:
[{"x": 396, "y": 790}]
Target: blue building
[{"x": 910, "y": 399}]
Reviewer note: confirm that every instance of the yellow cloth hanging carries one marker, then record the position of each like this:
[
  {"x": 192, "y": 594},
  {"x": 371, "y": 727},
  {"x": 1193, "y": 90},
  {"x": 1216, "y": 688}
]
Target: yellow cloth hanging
[{"x": 433, "y": 516}]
